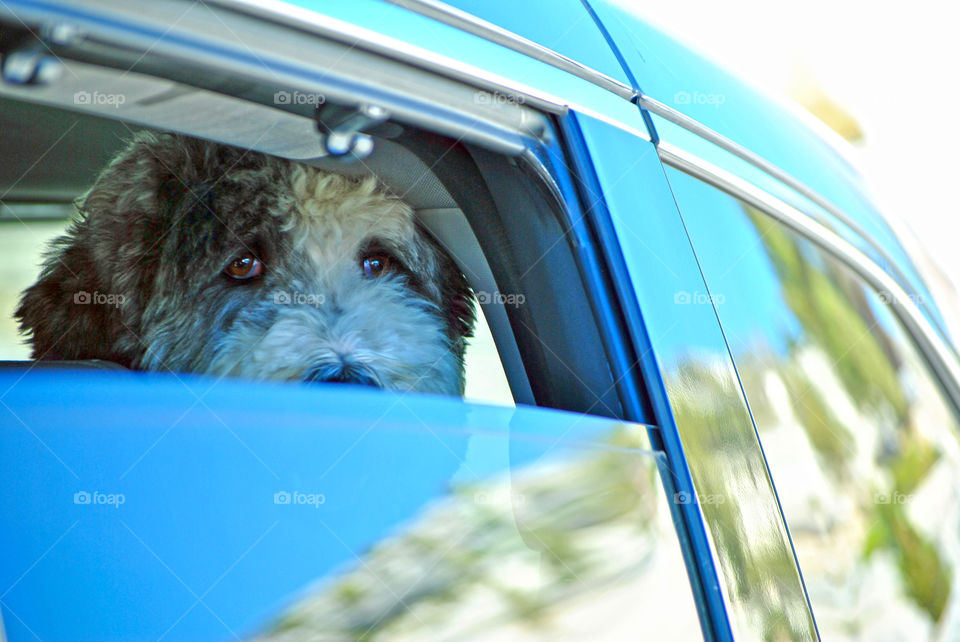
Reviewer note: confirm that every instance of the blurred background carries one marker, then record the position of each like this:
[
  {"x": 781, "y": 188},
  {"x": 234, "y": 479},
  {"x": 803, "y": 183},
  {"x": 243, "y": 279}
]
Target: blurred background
[{"x": 881, "y": 75}]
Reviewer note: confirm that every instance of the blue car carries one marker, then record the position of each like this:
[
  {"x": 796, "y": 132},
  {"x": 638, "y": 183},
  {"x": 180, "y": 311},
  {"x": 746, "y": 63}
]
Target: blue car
[{"x": 719, "y": 400}]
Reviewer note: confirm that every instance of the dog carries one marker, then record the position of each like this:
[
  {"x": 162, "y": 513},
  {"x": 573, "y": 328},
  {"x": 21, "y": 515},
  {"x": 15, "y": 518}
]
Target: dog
[{"x": 192, "y": 256}]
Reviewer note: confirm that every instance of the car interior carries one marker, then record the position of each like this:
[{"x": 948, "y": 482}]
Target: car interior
[{"x": 504, "y": 225}]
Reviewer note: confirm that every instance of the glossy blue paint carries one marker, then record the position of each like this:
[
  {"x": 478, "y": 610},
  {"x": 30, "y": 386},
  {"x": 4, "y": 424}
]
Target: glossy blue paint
[
  {"x": 673, "y": 74},
  {"x": 830, "y": 375},
  {"x": 565, "y": 27},
  {"x": 198, "y": 547},
  {"x": 198, "y": 462},
  {"x": 704, "y": 421},
  {"x": 682, "y": 79},
  {"x": 699, "y": 557},
  {"x": 893, "y": 258},
  {"x": 480, "y": 56}
]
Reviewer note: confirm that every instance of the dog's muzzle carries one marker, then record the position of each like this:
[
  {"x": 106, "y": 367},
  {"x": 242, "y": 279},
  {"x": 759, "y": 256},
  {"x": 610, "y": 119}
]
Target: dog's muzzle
[{"x": 342, "y": 373}]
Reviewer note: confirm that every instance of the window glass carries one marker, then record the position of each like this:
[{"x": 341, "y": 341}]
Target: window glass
[
  {"x": 328, "y": 515},
  {"x": 860, "y": 441},
  {"x": 561, "y": 544}
]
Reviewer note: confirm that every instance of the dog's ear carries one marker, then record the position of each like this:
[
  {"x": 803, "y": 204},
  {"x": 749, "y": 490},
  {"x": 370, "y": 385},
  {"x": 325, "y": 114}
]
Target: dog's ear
[
  {"x": 456, "y": 296},
  {"x": 65, "y": 313},
  {"x": 96, "y": 280},
  {"x": 459, "y": 302}
]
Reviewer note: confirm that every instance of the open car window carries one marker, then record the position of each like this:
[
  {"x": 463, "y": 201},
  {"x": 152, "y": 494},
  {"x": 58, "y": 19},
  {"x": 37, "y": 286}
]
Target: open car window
[{"x": 541, "y": 506}]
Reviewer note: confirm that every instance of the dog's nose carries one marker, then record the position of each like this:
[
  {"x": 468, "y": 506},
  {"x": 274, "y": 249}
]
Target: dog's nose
[{"x": 342, "y": 374}]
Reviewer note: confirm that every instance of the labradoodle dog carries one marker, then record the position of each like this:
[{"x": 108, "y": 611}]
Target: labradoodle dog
[{"x": 191, "y": 256}]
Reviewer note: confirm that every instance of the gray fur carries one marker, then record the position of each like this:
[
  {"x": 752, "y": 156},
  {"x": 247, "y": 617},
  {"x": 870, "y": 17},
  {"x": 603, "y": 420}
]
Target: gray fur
[{"x": 166, "y": 217}]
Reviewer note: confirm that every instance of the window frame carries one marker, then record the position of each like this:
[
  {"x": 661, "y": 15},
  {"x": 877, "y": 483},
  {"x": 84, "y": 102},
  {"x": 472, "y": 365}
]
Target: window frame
[{"x": 936, "y": 352}]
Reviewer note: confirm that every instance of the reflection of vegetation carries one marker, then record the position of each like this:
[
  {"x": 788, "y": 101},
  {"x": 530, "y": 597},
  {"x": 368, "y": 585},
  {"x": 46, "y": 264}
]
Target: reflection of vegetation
[
  {"x": 924, "y": 573},
  {"x": 524, "y": 551},
  {"x": 752, "y": 367},
  {"x": 831, "y": 320},
  {"x": 828, "y": 436},
  {"x": 837, "y": 320},
  {"x": 916, "y": 459},
  {"x": 926, "y": 577},
  {"x": 762, "y": 580}
]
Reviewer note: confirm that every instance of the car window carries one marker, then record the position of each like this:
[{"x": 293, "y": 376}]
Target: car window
[
  {"x": 296, "y": 518},
  {"x": 23, "y": 242},
  {"x": 861, "y": 444},
  {"x": 557, "y": 547}
]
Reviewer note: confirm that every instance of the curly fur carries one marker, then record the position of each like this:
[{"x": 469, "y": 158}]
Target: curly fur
[{"x": 139, "y": 278}]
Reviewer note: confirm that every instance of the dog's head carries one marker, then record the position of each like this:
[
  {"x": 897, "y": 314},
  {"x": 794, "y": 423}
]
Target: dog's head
[{"x": 196, "y": 257}]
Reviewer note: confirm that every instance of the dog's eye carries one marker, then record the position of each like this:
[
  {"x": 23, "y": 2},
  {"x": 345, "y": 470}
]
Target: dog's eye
[
  {"x": 245, "y": 266},
  {"x": 376, "y": 265}
]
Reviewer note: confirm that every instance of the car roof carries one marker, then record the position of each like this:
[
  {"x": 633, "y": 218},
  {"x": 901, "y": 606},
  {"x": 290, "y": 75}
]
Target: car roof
[{"x": 615, "y": 47}]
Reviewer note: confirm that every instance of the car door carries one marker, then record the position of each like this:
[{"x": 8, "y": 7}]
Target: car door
[
  {"x": 172, "y": 506},
  {"x": 851, "y": 388},
  {"x": 724, "y": 490}
]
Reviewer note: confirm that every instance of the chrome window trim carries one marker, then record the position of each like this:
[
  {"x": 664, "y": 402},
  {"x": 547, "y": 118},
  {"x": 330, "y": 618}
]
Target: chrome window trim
[
  {"x": 934, "y": 348},
  {"x": 332, "y": 28},
  {"x": 442, "y": 12},
  {"x": 721, "y": 141},
  {"x": 696, "y": 127},
  {"x": 329, "y": 27},
  {"x": 326, "y": 26},
  {"x": 89, "y": 16},
  {"x": 501, "y": 125}
]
